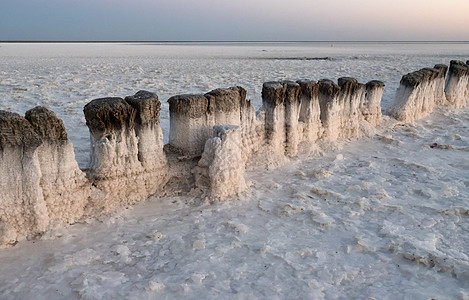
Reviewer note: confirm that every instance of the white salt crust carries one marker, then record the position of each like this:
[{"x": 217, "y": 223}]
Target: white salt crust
[
  {"x": 23, "y": 211},
  {"x": 393, "y": 223},
  {"x": 221, "y": 167},
  {"x": 64, "y": 186},
  {"x": 127, "y": 167},
  {"x": 370, "y": 105},
  {"x": 40, "y": 187},
  {"x": 309, "y": 125},
  {"x": 414, "y": 103},
  {"x": 457, "y": 91}
]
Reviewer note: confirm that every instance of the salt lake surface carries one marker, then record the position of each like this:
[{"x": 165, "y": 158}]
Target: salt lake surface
[{"x": 384, "y": 217}]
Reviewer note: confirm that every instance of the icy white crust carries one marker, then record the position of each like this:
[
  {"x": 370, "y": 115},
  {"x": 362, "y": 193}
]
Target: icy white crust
[
  {"x": 252, "y": 130},
  {"x": 457, "y": 85},
  {"x": 370, "y": 107},
  {"x": 192, "y": 117},
  {"x": 418, "y": 93},
  {"x": 310, "y": 126},
  {"x": 351, "y": 95},
  {"x": 220, "y": 170},
  {"x": 306, "y": 111},
  {"x": 127, "y": 159},
  {"x": 40, "y": 179},
  {"x": 281, "y": 104},
  {"x": 64, "y": 186},
  {"x": 440, "y": 81},
  {"x": 346, "y": 106}
]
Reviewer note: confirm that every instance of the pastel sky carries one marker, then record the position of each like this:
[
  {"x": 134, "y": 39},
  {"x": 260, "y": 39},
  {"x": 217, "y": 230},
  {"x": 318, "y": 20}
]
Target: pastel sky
[{"x": 276, "y": 20}]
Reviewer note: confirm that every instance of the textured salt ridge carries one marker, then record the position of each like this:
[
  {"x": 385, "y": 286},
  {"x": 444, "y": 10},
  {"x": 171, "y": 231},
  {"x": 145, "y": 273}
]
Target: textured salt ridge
[
  {"x": 192, "y": 117},
  {"x": 306, "y": 111},
  {"x": 310, "y": 126},
  {"x": 421, "y": 90},
  {"x": 42, "y": 183},
  {"x": 281, "y": 103},
  {"x": 220, "y": 171},
  {"x": 23, "y": 212},
  {"x": 40, "y": 180},
  {"x": 418, "y": 94},
  {"x": 371, "y": 107},
  {"x": 128, "y": 162},
  {"x": 457, "y": 85},
  {"x": 64, "y": 186},
  {"x": 127, "y": 159}
]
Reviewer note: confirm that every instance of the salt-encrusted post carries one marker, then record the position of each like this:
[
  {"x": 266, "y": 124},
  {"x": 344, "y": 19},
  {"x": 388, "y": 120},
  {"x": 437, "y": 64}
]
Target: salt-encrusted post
[
  {"x": 292, "y": 114},
  {"x": 190, "y": 125},
  {"x": 281, "y": 103},
  {"x": 150, "y": 139},
  {"x": 193, "y": 116},
  {"x": 114, "y": 160},
  {"x": 371, "y": 107},
  {"x": 273, "y": 97},
  {"x": 252, "y": 129},
  {"x": 467, "y": 88},
  {"x": 225, "y": 105},
  {"x": 310, "y": 113},
  {"x": 416, "y": 95},
  {"x": 221, "y": 167},
  {"x": 330, "y": 108},
  {"x": 65, "y": 187},
  {"x": 127, "y": 158},
  {"x": 440, "y": 97},
  {"x": 23, "y": 211},
  {"x": 457, "y": 84},
  {"x": 351, "y": 95}
]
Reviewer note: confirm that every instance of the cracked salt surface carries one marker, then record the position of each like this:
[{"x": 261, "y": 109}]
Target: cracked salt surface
[{"x": 384, "y": 217}]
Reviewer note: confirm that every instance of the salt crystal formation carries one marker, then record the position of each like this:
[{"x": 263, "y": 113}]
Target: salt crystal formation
[
  {"x": 127, "y": 159},
  {"x": 370, "y": 107},
  {"x": 192, "y": 117},
  {"x": 252, "y": 129},
  {"x": 440, "y": 97},
  {"x": 23, "y": 211},
  {"x": 305, "y": 111},
  {"x": 128, "y": 162},
  {"x": 310, "y": 113},
  {"x": 64, "y": 186},
  {"x": 221, "y": 167},
  {"x": 281, "y": 103},
  {"x": 330, "y": 108},
  {"x": 418, "y": 93},
  {"x": 217, "y": 134},
  {"x": 150, "y": 139},
  {"x": 457, "y": 85},
  {"x": 40, "y": 179},
  {"x": 351, "y": 94}
]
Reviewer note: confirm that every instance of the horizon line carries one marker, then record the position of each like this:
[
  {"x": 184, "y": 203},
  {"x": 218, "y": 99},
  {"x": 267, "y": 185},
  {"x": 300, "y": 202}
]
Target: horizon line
[{"x": 231, "y": 41}]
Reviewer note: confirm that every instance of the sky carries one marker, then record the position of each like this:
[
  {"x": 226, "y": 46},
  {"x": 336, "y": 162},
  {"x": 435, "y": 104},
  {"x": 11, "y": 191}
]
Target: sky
[{"x": 234, "y": 20}]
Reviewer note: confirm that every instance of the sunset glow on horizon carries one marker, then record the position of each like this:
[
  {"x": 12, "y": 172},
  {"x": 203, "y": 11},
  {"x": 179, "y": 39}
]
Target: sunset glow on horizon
[{"x": 356, "y": 20}]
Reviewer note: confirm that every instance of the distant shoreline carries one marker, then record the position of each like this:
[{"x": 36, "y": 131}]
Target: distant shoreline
[{"x": 230, "y": 42}]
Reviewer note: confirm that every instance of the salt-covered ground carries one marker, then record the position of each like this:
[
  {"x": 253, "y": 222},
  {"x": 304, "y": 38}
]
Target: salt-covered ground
[
  {"x": 64, "y": 77},
  {"x": 384, "y": 217}
]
